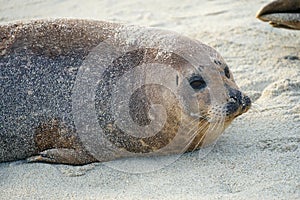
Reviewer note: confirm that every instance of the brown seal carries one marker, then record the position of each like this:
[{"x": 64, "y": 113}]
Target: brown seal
[
  {"x": 281, "y": 14},
  {"x": 179, "y": 94}
]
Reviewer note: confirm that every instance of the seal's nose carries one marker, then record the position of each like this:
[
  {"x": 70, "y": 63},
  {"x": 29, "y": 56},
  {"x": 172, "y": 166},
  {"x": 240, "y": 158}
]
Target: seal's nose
[
  {"x": 235, "y": 96},
  {"x": 237, "y": 100},
  {"x": 246, "y": 103}
]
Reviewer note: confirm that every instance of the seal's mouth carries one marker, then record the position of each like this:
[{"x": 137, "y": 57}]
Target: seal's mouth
[
  {"x": 218, "y": 118},
  {"x": 236, "y": 105}
]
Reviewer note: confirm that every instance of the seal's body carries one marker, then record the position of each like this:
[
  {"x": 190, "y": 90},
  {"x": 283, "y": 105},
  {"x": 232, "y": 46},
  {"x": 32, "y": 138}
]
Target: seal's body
[
  {"x": 47, "y": 68},
  {"x": 281, "y": 14}
]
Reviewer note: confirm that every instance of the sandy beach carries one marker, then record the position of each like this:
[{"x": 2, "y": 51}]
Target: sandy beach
[{"x": 257, "y": 157}]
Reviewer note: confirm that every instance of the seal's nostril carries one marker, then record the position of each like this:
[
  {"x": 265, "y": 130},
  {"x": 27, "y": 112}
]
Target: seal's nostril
[
  {"x": 246, "y": 102},
  {"x": 232, "y": 100},
  {"x": 235, "y": 96}
]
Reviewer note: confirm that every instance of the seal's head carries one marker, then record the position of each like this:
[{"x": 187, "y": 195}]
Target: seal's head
[
  {"x": 208, "y": 97},
  {"x": 159, "y": 92},
  {"x": 220, "y": 100},
  {"x": 179, "y": 105}
]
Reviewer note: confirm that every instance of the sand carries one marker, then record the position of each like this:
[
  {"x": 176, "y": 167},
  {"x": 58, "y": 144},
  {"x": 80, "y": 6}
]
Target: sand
[{"x": 258, "y": 156}]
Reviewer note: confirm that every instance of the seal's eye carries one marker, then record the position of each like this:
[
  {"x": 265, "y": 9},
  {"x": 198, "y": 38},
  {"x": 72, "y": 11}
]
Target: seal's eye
[
  {"x": 197, "y": 83},
  {"x": 226, "y": 71}
]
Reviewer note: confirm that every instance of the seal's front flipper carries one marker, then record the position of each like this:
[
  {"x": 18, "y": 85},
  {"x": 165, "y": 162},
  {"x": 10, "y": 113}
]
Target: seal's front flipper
[{"x": 63, "y": 156}]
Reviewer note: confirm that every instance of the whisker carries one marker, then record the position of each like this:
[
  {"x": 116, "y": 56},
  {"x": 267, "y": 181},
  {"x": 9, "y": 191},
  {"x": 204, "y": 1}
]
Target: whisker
[
  {"x": 219, "y": 127},
  {"x": 196, "y": 145},
  {"x": 197, "y": 128},
  {"x": 218, "y": 120},
  {"x": 209, "y": 130},
  {"x": 201, "y": 129},
  {"x": 195, "y": 132},
  {"x": 202, "y": 137},
  {"x": 189, "y": 123},
  {"x": 199, "y": 116},
  {"x": 216, "y": 127},
  {"x": 194, "y": 127}
]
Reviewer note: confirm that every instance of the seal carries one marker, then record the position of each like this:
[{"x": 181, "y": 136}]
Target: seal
[
  {"x": 281, "y": 14},
  {"x": 81, "y": 91}
]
